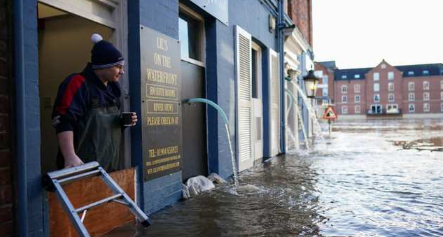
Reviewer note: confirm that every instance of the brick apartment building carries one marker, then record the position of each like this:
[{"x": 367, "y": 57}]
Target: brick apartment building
[{"x": 384, "y": 90}]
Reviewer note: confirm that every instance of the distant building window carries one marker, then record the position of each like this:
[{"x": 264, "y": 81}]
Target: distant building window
[
  {"x": 376, "y": 87},
  {"x": 426, "y": 85},
  {"x": 411, "y": 73},
  {"x": 344, "y": 99},
  {"x": 426, "y": 107},
  {"x": 411, "y": 108},
  {"x": 344, "y": 109},
  {"x": 357, "y": 109},
  {"x": 318, "y": 73},
  {"x": 344, "y": 77},
  {"x": 441, "y": 107},
  {"x": 392, "y": 108},
  {"x": 357, "y": 88},
  {"x": 411, "y": 96},
  {"x": 376, "y": 98},
  {"x": 441, "y": 85},
  {"x": 391, "y": 97},
  {"x": 426, "y": 96},
  {"x": 357, "y": 76},
  {"x": 441, "y": 95},
  {"x": 390, "y": 75},
  {"x": 325, "y": 80},
  {"x": 344, "y": 89},
  {"x": 325, "y": 102},
  {"x": 383, "y": 66},
  {"x": 357, "y": 99},
  {"x": 325, "y": 92},
  {"x": 390, "y": 86},
  {"x": 425, "y": 72},
  {"x": 376, "y": 76},
  {"x": 411, "y": 86}
]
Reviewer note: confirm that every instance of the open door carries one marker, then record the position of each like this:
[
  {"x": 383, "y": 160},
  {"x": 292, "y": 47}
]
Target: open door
[{"x": 244, "y": 100}]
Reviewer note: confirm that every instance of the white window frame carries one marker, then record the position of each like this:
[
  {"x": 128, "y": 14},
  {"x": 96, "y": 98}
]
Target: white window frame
[
  {"x": 355, "y": 99},
  {"x": 357, "y": 88},
  {"x": 391, "y": 86},
  {"x": 375, "y": 98},
  {"x": 344, "y": 99},
  {"x": 426, "y": 85},
  {"x": 411, "y": 97},
  {"x": 426, "y": 96},
  {"x": 426, "y": 107},
  {"x": 411, "y": 86},
  {"x": 344, "y": 89},
  {"x": 344, "y": 109},
  {"x": 357, "y": 109},
  {"x": 383, "y": 66},
  {"x": 413, "y": 108},
  {"x": 376, "y": 76},
  {"x": 391, "y": 97},
  {"x": 391, "y": 76},
  {"x": 376, "y": 87},
  {"x": 325, "y": 80}
]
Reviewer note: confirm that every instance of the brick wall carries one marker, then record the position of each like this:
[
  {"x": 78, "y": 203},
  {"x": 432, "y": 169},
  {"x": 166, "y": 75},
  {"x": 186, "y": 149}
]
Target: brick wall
[
  {"x": 6, "y": 187},
  {"x": 300, "y": 12}
]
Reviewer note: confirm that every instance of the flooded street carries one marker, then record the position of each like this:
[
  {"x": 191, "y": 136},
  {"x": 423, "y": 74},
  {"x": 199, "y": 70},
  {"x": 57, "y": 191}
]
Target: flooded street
[{"x": 371, "y": 178}]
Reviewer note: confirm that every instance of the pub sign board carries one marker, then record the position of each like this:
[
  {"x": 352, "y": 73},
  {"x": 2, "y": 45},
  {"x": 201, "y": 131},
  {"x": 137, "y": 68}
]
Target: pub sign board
[{"x": 161, "y": 105}]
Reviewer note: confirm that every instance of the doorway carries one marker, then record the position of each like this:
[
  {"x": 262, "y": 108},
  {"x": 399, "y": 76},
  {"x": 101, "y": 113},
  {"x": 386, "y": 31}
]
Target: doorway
[
  {"x": 64, "y": 48},
  {"x": 191, "y": 35},
  {"x": 257, "y": 101}
]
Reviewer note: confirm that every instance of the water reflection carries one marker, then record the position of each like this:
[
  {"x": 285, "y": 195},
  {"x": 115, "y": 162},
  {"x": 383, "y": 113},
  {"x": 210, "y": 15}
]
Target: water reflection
[{"x": 360, "y": 182}]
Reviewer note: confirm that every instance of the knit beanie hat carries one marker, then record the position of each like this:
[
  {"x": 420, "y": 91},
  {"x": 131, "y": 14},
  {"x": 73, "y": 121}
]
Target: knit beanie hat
[{"x": 104, "y": 54}]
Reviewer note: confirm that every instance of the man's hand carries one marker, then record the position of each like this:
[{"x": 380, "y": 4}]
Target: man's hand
[
  {"x": 134, "y": 118},
  {"x": 72, "y": 161}
]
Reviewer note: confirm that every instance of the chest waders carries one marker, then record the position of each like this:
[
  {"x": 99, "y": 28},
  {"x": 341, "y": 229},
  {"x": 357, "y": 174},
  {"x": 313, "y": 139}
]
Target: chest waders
[{"x": 97, "y": 135}]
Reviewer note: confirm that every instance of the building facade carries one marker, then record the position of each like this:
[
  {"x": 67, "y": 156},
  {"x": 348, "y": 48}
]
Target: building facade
[
  {"x": 386, "y": 90},
  {"x": 209, "y": 50}
]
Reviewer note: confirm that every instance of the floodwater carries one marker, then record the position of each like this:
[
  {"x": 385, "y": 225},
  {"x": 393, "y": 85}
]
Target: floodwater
[{"x": 371, "y": 178}]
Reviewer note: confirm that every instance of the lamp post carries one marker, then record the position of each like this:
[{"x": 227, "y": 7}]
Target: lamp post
[{"x": 311, "y": 82}]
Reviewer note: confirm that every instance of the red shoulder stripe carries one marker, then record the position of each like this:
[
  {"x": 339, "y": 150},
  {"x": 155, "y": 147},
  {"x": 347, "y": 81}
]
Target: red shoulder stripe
[{"x": 74, "y": 84}]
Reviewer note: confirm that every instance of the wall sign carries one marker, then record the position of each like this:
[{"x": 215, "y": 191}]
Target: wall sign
[
  {"x": 217, "y": 8},
  {"x": 161, "y": 106}
]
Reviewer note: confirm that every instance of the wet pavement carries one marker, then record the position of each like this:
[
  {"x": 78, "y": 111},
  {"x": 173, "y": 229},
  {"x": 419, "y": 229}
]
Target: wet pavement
[{"x": 371, "y": 178}]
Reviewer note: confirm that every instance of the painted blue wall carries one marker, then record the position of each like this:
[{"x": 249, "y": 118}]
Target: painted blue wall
[
  {"x": 220, "y": 74},
  {"x": 28, "y": 118}
]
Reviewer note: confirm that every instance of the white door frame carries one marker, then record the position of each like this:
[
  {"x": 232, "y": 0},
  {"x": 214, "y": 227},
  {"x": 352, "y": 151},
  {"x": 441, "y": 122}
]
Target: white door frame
[{"x": 257, "y": 109}]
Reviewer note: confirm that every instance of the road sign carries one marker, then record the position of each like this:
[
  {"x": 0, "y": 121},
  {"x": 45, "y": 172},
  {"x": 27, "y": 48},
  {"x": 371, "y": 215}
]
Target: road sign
[{"x": 329, "y": 113}]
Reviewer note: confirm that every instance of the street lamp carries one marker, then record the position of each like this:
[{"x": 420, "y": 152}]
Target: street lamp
[{"x": 310, "y": 84}]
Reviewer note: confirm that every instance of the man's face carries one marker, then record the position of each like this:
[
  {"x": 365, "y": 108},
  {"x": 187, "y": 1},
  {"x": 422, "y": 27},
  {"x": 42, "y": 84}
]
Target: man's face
[{"x": 112, "y": 74}]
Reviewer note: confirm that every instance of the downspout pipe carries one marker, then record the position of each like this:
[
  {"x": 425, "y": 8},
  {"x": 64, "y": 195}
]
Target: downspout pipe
[
  {"x": 20, "y": 92},
  {"x": 281, "y": 49}
]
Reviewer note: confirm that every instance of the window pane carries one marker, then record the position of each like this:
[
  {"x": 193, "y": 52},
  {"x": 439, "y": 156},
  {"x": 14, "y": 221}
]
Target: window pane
[
  {"x": 189, "y": 35},
  {"x": 254, "y": 73}
]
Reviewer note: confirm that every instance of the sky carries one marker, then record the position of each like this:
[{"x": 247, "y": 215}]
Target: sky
[{"x": 361, "y": 33}]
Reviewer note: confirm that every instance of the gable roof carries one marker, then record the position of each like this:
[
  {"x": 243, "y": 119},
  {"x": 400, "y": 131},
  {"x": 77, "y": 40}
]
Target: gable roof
[
  {"x": 351, "y": 74},
  {"x": 418, "y": 70},
  {"x": 434, "y": 69}
]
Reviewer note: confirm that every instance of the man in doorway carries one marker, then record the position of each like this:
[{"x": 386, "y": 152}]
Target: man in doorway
[{"x": 86, "y": 113}]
